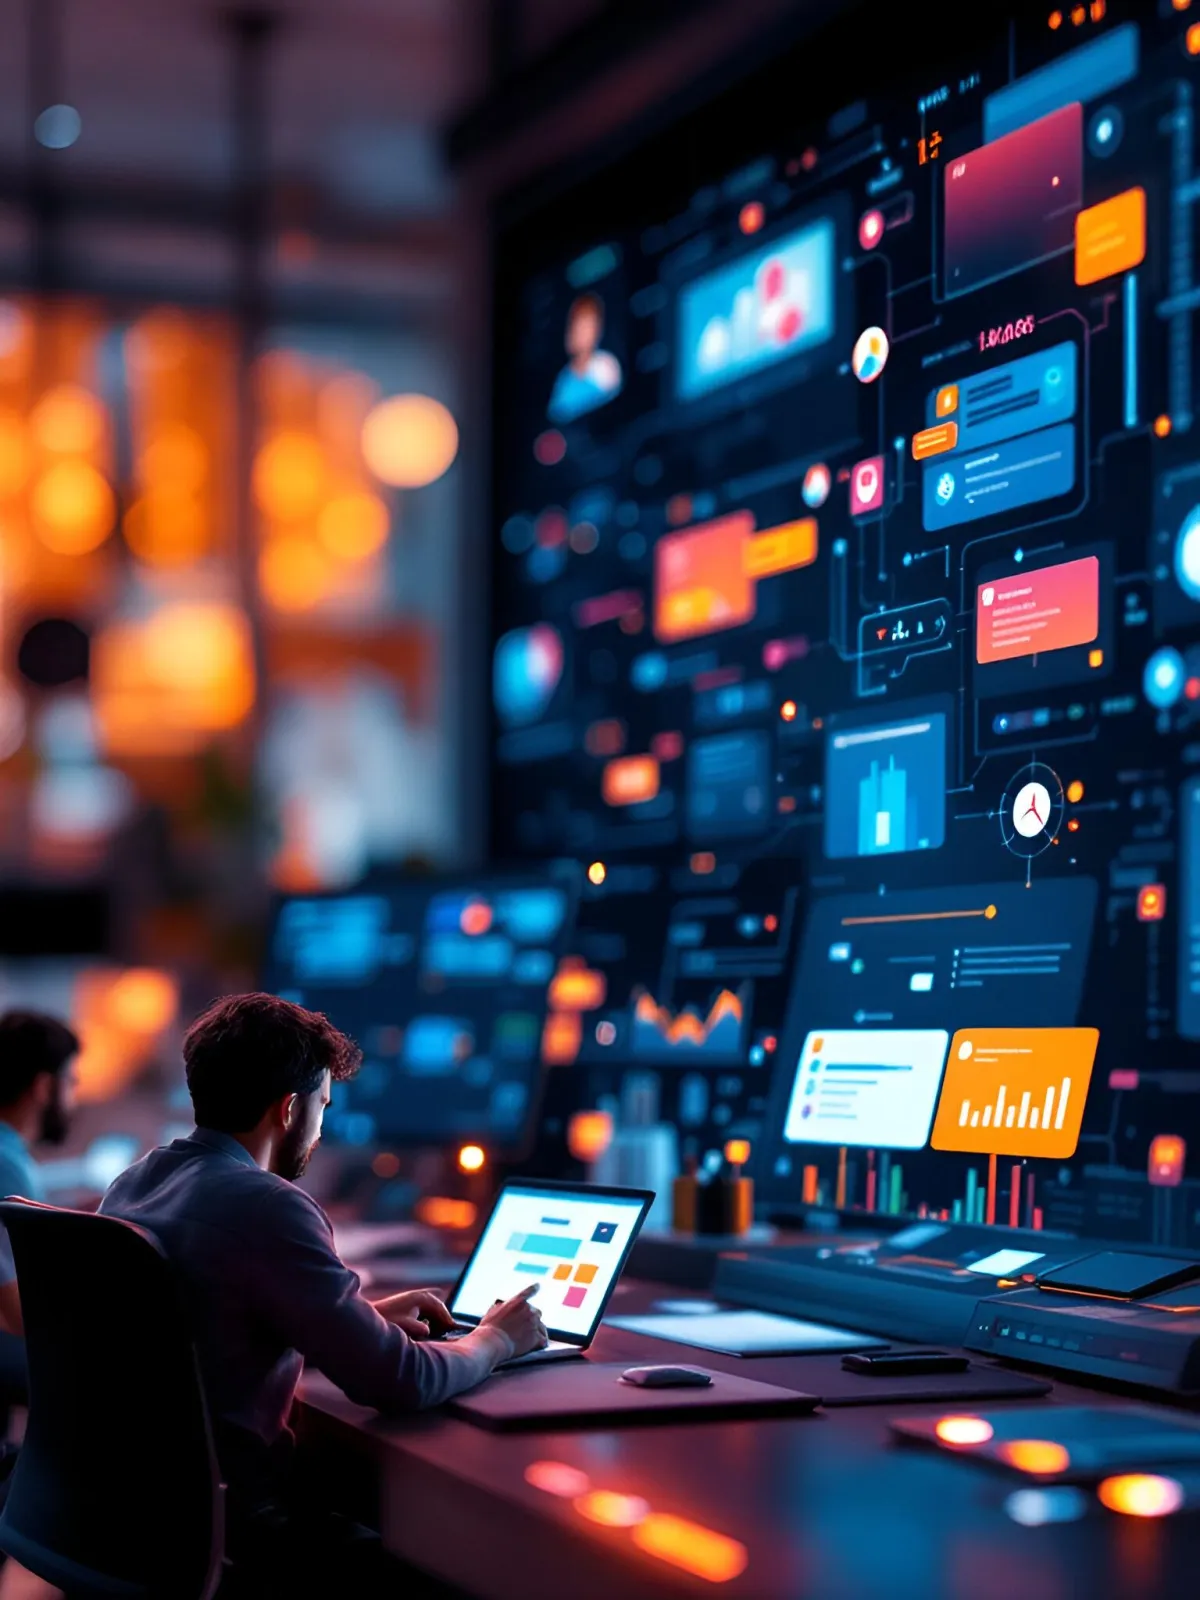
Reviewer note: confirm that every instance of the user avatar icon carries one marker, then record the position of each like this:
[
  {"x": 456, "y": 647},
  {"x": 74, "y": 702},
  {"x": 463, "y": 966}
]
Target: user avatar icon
[
  {"x": 592, "y": 377},
  {"x": 944, "y": 489}
]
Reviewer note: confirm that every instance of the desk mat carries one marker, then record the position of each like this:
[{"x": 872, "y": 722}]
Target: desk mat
[{"x": 575, "y": 1392}]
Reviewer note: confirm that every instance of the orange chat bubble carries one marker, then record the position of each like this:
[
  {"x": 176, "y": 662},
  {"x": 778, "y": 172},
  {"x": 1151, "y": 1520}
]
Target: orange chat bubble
[{"x": 1110, "y": 237}]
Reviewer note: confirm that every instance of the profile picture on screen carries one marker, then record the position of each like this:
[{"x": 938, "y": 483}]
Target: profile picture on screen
[{"x": 592, "y": 376}]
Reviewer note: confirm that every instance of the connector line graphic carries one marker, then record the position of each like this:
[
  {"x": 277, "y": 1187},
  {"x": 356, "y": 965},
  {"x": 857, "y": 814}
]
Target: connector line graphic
[{"x": 919, "y": 916}]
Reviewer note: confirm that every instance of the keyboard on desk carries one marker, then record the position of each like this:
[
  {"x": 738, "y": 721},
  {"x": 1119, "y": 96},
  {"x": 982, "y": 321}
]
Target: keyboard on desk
[{"x": 556, "y": 1350}]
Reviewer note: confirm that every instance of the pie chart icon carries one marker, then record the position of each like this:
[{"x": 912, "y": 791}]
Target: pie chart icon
[
  {"x": 870, "y": 354},
  {"x": 1031, "y": 810}
]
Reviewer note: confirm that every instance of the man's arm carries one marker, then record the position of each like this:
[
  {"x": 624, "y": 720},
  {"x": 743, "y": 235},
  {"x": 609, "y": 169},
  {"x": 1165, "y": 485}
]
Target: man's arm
[{"x": 312, "y": 1301}]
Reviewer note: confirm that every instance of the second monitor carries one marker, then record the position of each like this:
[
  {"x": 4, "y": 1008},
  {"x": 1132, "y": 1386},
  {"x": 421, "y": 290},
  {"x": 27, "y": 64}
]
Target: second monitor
[{"x": 443, "y": 985}]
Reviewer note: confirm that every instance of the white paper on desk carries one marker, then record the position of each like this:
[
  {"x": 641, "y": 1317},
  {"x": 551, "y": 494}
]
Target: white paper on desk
[{"x": 748, "y": 1333}]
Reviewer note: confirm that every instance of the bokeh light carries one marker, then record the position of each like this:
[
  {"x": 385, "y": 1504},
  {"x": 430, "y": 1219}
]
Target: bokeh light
[
  {"x": 68, "y": 420},
  {"x": 1141, "y": 1494},
  {"x": 175, "y": 457},
  {"x": 409, "y": 440},
  {"x": 289, "y": 476},
  {"x": 73, "y": 507},
  {"x": 1041, "y": 1458},
  {"x": 354, "y": 526},
  {"x": 691, "y": 1547},
  {"x": 589, "y": 1134},
  {"x": 166, "y": 528},
  {"x": 557, "y": 1478},
  {"x": 472, "y": 1158},
  {"x": 144, "y": 1000},
  {"x": 294, "y": 573},
  {"x": 612, "y": 1510},
  {"x": 963, "y": 1430},
  {"x": 14, "y": 454}
]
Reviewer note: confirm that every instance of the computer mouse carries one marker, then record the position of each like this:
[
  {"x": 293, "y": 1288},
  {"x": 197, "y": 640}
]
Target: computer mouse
[{"x": 667, "y": 1377}]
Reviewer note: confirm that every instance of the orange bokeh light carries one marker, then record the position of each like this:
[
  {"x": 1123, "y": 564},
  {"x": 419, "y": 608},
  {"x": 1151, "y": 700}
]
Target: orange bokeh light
[
  {"x": 589, "y": 1134},
  {"x": 691, "y": 1547},
  {"x": 143, "y": 1000},
  {"x": 597, "y": 873},
  {"x": 14, "y": 454},
  {"x": 354, "y": 526},
  {"x": 963, "y": 1430},
  {"x": 288, "y": 476},
  {"x": 472, "y": 1158},
  {"x": 1162, "y": 426},
  {"x": 1075, "y": 791},
  {"x": 1041, "y": 1458},
  {"x": 68, "y": 420},
  {"x": 166, "y": 528},
  {"x": 737, "y": 1152},
  {"x": 612, "y": 1510},
  {"x": 176, "y": 457},
  {"x": 788, "y": 711},
  {"x": 1141, "y": 1494},
  {"x": 73, "y": 508},
  {"x": 294, "y": 573},
  {"x": 409, "y": 440},
  {"x": 444, "y": 1211}
]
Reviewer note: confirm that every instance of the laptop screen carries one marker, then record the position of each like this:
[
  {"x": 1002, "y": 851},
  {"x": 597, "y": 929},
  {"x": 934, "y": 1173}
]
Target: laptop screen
[{"x": 571, "y": 1243}]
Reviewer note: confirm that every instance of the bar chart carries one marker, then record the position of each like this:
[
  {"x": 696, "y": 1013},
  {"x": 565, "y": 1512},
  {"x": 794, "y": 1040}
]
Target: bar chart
[{"x": 1015, "y": 1091}]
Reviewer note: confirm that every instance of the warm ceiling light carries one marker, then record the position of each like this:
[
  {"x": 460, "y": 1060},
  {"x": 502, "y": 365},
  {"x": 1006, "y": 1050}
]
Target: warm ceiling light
[
  {"x": 289, "y": 476},
  {"x": 354, "y": 526},
  {"x": 294, "y": 573},
  {"x": 409, "y": 440},
  {"x": 73, "y": 508},
  {"x": 963, "y": 1430},
  {"x": 471, "y": 1158},
  {"x": 68, "y": 420},
  {"x": 1141, "y": 1494}
]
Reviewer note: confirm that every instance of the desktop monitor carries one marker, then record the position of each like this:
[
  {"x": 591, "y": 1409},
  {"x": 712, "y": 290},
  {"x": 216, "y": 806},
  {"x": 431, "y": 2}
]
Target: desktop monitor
[
  {"x": 846, "y": 613},
  {"x": 443, "y": 985}
]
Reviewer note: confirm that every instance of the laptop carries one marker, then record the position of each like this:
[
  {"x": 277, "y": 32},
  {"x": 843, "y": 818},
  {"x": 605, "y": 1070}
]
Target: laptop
[{"x": 572, "y": 1240}]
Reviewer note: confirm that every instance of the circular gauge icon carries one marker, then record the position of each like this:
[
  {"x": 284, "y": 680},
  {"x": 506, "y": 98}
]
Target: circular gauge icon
[
  {"x": 1032, "y": 810},
  {"x": 817, "y": 484}
]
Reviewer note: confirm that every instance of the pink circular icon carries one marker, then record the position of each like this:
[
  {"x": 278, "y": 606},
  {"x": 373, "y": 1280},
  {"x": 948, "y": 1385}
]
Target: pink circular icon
[
  {"x": 773, "y": 279},
  {"x": 870, "y": 229}
]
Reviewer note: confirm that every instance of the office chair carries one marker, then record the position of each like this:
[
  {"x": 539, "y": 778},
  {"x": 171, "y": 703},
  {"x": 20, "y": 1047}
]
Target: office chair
[{"x": 116, "y": 1490}]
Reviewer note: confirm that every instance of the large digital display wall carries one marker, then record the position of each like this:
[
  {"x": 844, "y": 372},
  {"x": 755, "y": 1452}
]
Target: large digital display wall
[{"x": 846, "y": 589}]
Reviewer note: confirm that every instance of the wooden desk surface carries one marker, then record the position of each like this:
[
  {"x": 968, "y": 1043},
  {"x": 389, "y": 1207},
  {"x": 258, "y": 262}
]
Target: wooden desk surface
[{"x": 825, "y": 1507}]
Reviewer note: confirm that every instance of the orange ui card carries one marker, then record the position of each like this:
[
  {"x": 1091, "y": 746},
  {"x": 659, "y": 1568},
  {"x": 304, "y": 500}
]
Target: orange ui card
[{"x": 1015, "y": 1091}]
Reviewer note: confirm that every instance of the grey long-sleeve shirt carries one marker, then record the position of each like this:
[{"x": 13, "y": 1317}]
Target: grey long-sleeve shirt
[{"x": 267, "y": 1292}]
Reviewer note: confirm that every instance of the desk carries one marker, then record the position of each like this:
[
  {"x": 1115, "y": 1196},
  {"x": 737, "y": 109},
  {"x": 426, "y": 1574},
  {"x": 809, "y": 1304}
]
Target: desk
[{"x": 826, "y": 1507}]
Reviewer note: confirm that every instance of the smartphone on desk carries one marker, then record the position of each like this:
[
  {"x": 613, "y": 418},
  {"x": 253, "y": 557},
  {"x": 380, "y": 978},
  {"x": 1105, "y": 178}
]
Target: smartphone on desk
[{"x": 904, "y": 1363}]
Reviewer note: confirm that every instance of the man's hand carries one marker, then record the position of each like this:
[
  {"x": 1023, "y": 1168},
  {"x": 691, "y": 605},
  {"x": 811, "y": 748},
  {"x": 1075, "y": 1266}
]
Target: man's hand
[
  {"x": 519, "y": 1322},
  {"x": 421, "y": 1313}
]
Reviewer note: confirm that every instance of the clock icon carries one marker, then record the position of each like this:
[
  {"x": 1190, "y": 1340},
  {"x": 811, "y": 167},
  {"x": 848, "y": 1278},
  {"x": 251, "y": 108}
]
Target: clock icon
[{"x": 1031, "y": 812}]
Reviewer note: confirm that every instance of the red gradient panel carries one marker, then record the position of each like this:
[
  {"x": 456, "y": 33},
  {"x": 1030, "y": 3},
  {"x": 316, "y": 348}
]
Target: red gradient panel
[
  {"x": 1050, "y": 608},
  {"x": 701, "y": 583},
  {"x": 1013, "y": 202}
]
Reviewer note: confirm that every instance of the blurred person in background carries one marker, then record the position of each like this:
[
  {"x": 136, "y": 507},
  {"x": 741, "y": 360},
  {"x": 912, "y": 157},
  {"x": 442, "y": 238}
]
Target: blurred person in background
[
  {"x": 37, "y": 1096},
  {"x": 266, "y": 1290}
]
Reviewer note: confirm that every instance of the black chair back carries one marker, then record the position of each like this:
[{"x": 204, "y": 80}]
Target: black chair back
[{"x": 116, "y": 1489}]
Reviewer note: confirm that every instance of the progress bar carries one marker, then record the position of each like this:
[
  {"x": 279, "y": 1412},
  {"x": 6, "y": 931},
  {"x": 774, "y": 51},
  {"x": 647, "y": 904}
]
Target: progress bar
[{"x": 919, "y": 916}]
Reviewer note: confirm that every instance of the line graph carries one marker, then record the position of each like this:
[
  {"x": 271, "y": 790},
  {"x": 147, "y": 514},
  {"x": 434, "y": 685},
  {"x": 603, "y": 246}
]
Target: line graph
[{"x": 716, "y": 1031}]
